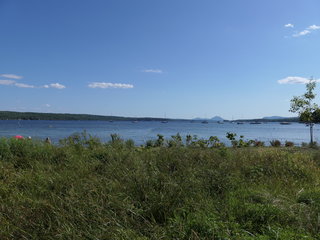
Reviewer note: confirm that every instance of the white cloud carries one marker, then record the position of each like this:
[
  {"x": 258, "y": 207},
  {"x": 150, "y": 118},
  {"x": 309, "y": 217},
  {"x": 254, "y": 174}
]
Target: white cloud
[
  {"x": 7, "y": 82},
  {"x": 307, "y": 31},
  {"x": 109, "y": 85},
  {"x": 289, "y": 25},
  {"x": 22, "y": 85},
  {"x": 11, "y": 76},
  {"x": 57, "y": 85},
  {"x": 47, "y": 105},
  {"x": 295, "y": 80},
  {"x": 302, "y": 33},
  {"x": 54, "y": 85},
  {"x": 314, "y": 27},
  {"x": 152, "y": 71},
  {"x": 14, "y": 83}
]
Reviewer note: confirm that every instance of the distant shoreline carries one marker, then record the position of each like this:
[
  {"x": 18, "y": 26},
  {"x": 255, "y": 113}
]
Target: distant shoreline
[{"x": 12, "y": 115}]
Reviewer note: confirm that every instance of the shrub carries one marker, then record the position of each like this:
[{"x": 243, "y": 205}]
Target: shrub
[
  {"x": 129, "y": 143},
  {"x": 258, "y": 143},
  {"x": 175, "y": 141},
  {"x": 313, "y": 145},
  {"x": 160, "y": 141},
  {"x": 150, "y": 143},
  {"x": 240, "y": 142},
  {"x": 275, "y": 143},
  {"x": 309, "y": 145},
  {"x": 116, "y": 139},
  {"x": 289, "y": 144}
]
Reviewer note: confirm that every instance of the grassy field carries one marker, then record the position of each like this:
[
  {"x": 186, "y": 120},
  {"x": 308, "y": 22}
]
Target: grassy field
[{"x": 85, "y": 189}]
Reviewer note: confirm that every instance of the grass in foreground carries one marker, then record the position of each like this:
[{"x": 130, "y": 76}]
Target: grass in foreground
[{"x": 85, "y": 189}]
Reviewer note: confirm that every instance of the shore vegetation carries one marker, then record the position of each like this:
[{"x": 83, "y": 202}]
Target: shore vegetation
[
  {"x": 306, "y": 108},
  {"x": 178, "y": 188}
]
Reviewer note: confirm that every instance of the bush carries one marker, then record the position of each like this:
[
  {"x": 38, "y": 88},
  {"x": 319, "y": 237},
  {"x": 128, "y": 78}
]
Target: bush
[
  {"x": 258, "y": 143},
  {"x": 275, "y": 143},
  {"x": 289, "y": 144},
  {"x": 313, "y": 145}
]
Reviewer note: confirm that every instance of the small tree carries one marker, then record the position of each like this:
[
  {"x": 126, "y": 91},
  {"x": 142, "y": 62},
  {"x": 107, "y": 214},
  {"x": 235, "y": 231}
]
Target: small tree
[{"x": 305, "y": 107}]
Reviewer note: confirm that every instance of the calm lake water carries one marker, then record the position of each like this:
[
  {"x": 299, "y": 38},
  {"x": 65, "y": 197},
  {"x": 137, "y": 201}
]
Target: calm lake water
[{"x": 142, "y": 131}]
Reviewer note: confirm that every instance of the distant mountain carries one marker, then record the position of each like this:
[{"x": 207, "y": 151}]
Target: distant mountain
[
  {"x": 214, "y": 119},
  {"x": 217, "y": 119},
  {"x": 274, "y": 118}
]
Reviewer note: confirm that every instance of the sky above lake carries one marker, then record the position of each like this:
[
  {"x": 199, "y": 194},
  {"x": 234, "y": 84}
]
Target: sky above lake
[{"x": 158, "y": 58}]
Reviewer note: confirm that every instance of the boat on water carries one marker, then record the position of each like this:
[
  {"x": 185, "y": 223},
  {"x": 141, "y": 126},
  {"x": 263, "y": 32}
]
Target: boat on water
[
  {"x": 239, "y": 122},
  {"x": 164, "y": 121},
  {"x": 205, "y": 122},
  {"x": 285, "y": 123},
  {"x": 255, "y": 123}
]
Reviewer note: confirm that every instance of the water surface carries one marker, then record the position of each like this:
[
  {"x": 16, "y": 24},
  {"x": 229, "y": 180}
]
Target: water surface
[{"x": 142, "y": 131}]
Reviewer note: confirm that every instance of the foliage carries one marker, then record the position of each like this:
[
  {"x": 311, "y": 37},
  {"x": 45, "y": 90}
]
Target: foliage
[
  {"x": 275, "y": 143},
  {"x": 6, "y": 115},
  {"x": 289, "y": 144},
  {"x": 241, "y": 142},
  {"x": 83, "y": 188},
  {"x": 308, "y": 110},
  {"x": 304, "y": 105},
  {"x": 258, "y": 143}
]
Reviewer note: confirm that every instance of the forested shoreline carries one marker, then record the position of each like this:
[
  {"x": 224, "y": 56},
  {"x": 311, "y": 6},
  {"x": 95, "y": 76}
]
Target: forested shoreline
[{"x": 10, "y": 115}]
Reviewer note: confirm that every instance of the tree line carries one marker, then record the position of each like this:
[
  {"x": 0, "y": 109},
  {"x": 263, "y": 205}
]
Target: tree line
[{"x": 10, "y": 115}]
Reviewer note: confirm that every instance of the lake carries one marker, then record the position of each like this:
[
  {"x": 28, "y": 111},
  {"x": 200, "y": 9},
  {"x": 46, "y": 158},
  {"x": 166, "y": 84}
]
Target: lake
[{"x": 142, "y": 131}]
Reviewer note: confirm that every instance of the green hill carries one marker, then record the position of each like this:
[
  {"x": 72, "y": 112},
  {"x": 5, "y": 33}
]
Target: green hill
[{"x": 9, "y": 115}]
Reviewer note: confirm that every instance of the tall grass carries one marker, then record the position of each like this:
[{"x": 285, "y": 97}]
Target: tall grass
[{"x": 85, "y": 189}]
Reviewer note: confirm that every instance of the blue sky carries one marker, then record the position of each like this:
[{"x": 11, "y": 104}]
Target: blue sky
[{"x": 173, "y": 58}]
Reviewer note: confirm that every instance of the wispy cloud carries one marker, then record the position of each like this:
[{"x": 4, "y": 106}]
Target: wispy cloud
[
  {"x": 289, "y": 25},
  {"x": 314, "y": 27},
  {"x": 295, "y": 80},
  {"x": 7, "y": 82},
  {"x": 11, "y": 76},
  {"x": 152, "y": 71},
  {"x": 109, "y": 85},
  {"x": 14, "y": 83},
  {"x": 10, "y": 82},
  {"x": 54, "y": 85},
  {"x": 57, "y": 85},
  {"x": 307, "y": 31},
  {"x": 302, "y": 33},
  {"x": 23, "y": 85}
]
